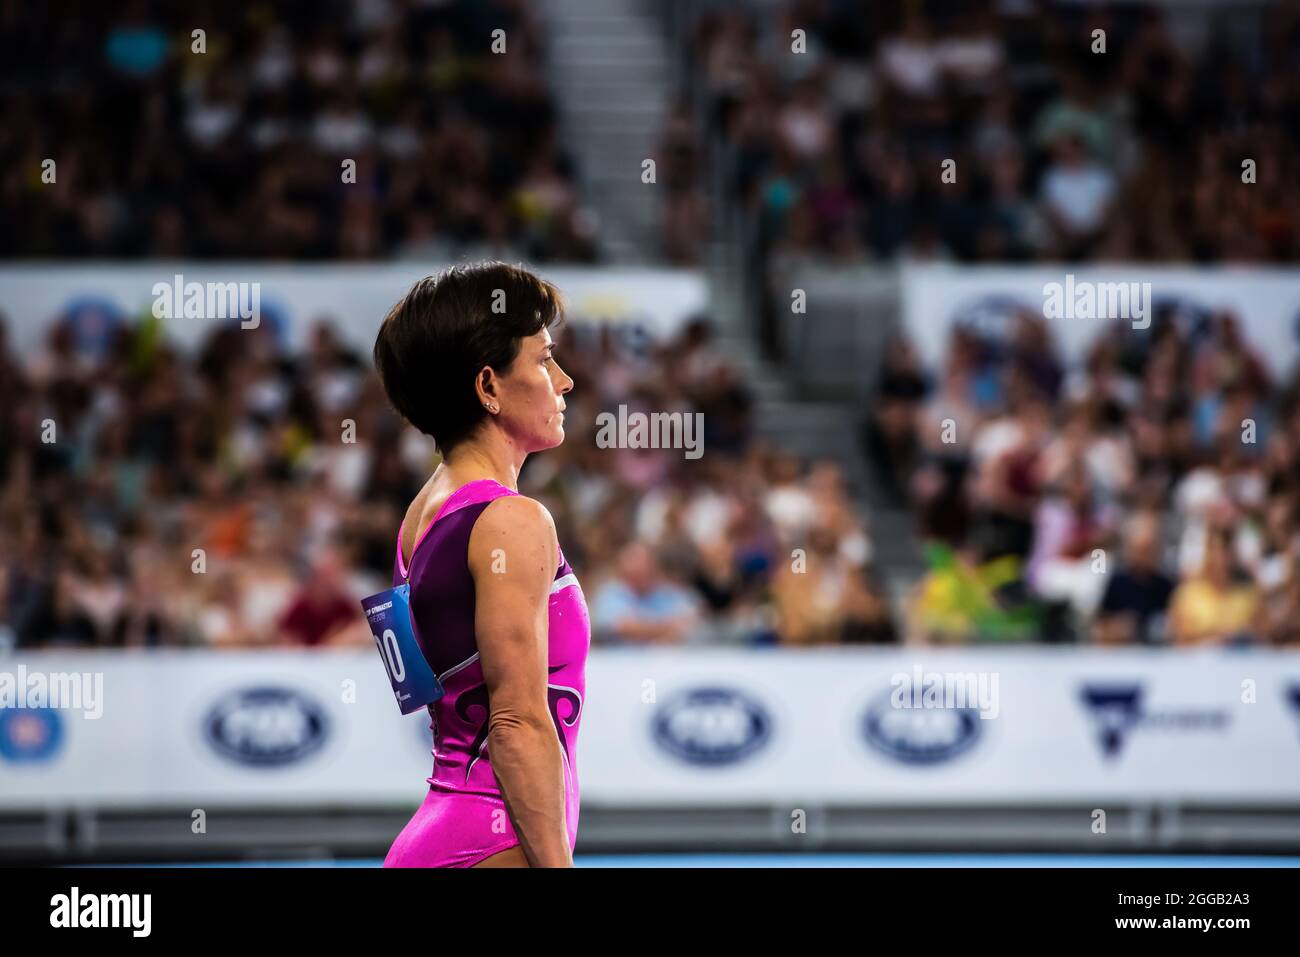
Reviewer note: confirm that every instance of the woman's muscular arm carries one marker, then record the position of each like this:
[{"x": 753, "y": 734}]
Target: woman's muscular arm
[{"x": 513, "y": 554}]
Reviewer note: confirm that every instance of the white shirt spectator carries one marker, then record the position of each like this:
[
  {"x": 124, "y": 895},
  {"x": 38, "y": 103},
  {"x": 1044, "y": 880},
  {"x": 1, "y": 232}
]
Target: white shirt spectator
[
  {"x": 914, "y": 67},
  {"x": 337, "y": 131},
  {"x": 791, "y": 509},
  {"x": 1079, "y": 195}
]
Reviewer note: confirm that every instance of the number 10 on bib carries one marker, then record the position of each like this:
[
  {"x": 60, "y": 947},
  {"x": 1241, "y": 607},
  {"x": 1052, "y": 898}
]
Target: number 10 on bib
[{"x": 389, "y": 616}]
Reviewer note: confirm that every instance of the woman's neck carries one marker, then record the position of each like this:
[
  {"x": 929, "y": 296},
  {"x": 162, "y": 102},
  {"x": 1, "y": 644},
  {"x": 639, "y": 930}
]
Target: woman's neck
[{"x": 486, "y": 458}]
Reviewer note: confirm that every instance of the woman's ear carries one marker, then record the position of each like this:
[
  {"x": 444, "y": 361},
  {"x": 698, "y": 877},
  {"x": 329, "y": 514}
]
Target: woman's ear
[{"x": 486, "y": 387}]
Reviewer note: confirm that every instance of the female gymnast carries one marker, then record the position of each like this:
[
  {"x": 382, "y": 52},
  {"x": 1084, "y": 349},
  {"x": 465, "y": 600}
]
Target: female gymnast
[{"x": 466, "y": 357}]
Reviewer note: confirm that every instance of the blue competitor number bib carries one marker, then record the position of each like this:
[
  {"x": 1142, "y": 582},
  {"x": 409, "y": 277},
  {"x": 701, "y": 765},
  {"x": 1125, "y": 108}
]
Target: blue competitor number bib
[{"x": 389, "y": 616}]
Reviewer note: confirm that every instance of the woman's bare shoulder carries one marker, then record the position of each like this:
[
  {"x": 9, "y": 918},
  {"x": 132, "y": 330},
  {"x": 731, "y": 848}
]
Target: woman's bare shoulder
[{"x": 516, "y": 516}]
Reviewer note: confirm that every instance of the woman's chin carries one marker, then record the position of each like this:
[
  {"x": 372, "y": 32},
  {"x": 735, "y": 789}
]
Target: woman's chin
[{"x": 553, "y": 438}]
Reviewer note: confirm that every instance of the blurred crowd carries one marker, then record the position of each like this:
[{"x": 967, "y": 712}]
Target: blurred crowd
[
  {"x": 996, "y": 130},
  {"x": 239, "y": 151},
  {"x": 243, "y": 496},
  {"x": 1149, "y": 496},
  {"x": 984, "y": 131}
]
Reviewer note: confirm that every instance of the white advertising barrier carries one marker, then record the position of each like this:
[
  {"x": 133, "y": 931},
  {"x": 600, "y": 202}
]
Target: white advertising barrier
[
  {"x": 679, "y": 728},
  {"x": 354, "y": 297},
  {"x": 1267, "y": 301}
]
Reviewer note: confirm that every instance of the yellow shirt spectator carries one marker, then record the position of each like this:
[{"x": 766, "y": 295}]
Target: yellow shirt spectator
[{"x": 1202, "y": 611}]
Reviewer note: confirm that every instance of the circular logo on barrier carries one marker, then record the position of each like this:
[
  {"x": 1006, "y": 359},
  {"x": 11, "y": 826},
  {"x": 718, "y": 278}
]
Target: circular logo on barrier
[
  {"x": 919, "y": 735},
  {"x": 266, "y": 727},
  {"x": 712, "y": 726},
  {"x": 30, "y": 734}
]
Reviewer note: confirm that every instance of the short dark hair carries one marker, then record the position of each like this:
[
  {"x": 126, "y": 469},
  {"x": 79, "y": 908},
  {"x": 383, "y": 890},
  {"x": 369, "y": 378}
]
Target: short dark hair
[{"x": 438, "y": 336}]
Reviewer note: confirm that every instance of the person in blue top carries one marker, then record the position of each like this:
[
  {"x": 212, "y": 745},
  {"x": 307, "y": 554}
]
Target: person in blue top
[{"x": 640, "y": 605}]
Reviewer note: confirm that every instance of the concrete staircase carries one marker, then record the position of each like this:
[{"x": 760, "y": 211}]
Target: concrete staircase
[
  {"x": 821, "y": 429},
  {"x": 829, "y": 430},
  {"x": 613, "y": 75},
  {"x": 611, "y": 72}
]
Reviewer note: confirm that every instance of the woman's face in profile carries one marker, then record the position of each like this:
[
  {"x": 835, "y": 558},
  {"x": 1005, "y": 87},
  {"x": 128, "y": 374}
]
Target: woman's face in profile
[{"x": 532, "y": 395}]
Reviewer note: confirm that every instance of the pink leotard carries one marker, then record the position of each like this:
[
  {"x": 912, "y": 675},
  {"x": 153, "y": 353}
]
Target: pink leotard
[{"x": 463, "y": 819}]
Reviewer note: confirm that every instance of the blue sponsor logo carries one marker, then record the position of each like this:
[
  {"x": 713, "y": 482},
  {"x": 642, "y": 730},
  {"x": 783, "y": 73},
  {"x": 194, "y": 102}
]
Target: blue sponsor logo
[
  {"x": 1293, "y": 696},
  {"x": 1119, "y": 709},
  {"x": 266, "y": 727},
  {"x": 1116, "y": 711},
  {"x": 712, "y": 726},
  {"x": 30, "y": 735},
  {"x": 919, "y": 736}
]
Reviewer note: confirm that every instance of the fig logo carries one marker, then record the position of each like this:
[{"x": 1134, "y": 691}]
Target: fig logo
[
  {"x": 266, "y": 727},
  {"x": 712, "y": 726}
]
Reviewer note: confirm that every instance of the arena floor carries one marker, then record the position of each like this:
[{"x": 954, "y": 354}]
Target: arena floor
[{"x": 841, "y": 860}]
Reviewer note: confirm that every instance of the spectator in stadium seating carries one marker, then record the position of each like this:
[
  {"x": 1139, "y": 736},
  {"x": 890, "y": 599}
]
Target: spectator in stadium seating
[
  {"x": 97, "y": 598},
  {"x": 1077, "y": 197},
  {"x": 1273, "y": 559},
  {"x": 1006, "y": 479},
  {"x": 1134, "y": 604},
  {"x": 1012, "y": 229},
  {"x": 1032, "y": 354},
  {"x": 640, "y": 606},
  {"x": 823, "y": 597},
  {"x": 946, "y": 425},
  {"x": 323, "y": 611},
  {"x": 889, "y": 430},
  {"x": 911, "y": 63},
  {"x": 237, "y": 153},
  {"x": 868, "y": 616},
  {"x": 219, "y": 615},
  {"x": 1216, "y": 606},
  {"x": 1157, "y": 127},
  {"x": 1125, "y": 420},
  {"x": 1280, "y": 613},
  {"x": 1275, "y": 570},
  {"x": 789, "y": 502},
  {"x": 1072, "y": 529},
  {"x": 1221, "y": 491},
  {"x": 1085, "y": 439}
]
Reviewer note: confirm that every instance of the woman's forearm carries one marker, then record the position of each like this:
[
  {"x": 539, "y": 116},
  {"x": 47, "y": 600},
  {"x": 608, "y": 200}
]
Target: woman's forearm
[{"x": 528, "y": 763}]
